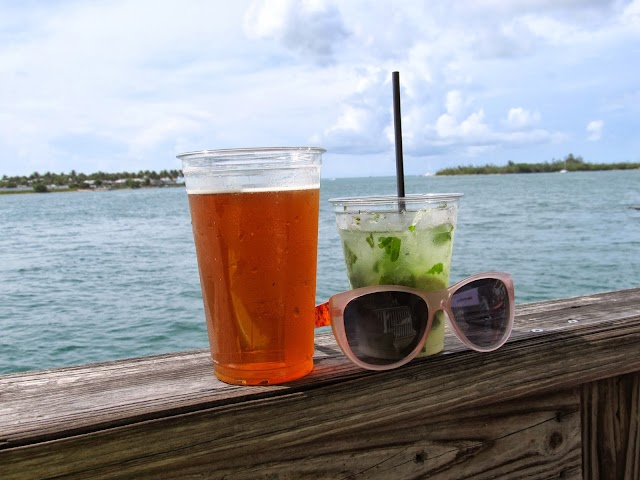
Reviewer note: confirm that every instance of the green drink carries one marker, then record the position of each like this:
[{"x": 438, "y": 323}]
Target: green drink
[{"x": 400, "y": 241}]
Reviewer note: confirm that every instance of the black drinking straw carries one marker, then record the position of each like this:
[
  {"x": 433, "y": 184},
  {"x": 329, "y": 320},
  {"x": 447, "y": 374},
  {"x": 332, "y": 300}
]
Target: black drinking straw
[{"x": 397, "y": 124}]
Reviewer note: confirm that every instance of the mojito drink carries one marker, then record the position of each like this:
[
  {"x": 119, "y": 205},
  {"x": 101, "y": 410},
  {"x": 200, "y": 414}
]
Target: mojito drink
[{"x": 408, "y": 242}]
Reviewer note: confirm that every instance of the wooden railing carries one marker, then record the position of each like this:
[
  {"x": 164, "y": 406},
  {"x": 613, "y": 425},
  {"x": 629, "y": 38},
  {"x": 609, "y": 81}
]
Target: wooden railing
[{"x": 560, "y": 400}]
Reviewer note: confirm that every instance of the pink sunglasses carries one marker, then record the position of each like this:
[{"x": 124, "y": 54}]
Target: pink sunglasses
[{"x": 383, "y": 327}]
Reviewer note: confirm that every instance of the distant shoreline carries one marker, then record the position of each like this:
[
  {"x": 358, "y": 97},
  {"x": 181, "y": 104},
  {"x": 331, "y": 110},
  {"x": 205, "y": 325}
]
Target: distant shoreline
[
  {"x": 569, "y": 164},
  {"x": 23, "y": 191},
  {"x": 79, "y": 182},
  {"x": 439, "y": 174}
]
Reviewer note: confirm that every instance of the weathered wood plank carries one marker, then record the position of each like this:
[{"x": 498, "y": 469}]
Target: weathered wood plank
[
  {"x": 611, "y": 428},
  {"x": 86, "y": 398},
  {"x": 140, "y": 416},
  {"x": 533, "y": 438}
]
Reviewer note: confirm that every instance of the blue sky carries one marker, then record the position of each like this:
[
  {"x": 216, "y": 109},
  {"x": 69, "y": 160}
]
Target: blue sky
[{"x": 125, "y": 85}]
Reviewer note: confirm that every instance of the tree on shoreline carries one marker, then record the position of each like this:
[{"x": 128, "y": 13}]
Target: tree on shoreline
[
  {"x": 570, "y": 163},
  {"x": 78, "y": 180}
]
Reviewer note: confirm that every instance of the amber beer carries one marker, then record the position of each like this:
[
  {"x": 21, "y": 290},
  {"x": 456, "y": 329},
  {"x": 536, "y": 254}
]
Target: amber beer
[
  {"x": 255, "y": 223},
  {"x": 257, "y": 259}
]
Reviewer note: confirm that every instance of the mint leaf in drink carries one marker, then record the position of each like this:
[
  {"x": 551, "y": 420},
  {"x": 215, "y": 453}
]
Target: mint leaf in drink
[
  {"x": 349, "y": 256},
  {"x": 443, "y": 237},
  {"x": 357, "y": 281},
  {"x": 384, "y": 241},
  {"x": 394, "y": 251},
  {"x": 442, "y": 234},
  {"x": 438, "y": 319},
  {"x": 391, "y": 246},
  {"x": 437, "y": 268},
  {"x": 369, "y": 240},
  {"x": 398, "y": 277},
  {"x": 412, "y": 228}
]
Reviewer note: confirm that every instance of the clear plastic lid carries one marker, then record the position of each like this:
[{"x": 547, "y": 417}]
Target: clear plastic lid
[
  {"x": 252, "y": 169},
  {"x": 391, "y": 203}
]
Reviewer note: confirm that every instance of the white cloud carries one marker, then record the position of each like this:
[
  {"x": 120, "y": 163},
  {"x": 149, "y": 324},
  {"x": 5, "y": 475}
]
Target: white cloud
[
  {"x": 111, "y": 83},
  {"x": 474, "y": 132},
  {"x": 443, "y": 62},
  {"x": 471, "y": 130},
  {"x": 519, "y": 117},
  {"x": 452, "y": 126},
  {"x": 594, "y": 130},
  {"x": 631, "y": 14},
  {"x": 454, "y": 103},
  {"x": 352, "y": 120},
  {"x": 308, "y": 27}
]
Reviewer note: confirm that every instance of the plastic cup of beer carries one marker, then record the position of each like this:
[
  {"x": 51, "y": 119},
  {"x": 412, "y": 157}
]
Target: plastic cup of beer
[
  {"x": 408, "y": 241},
  {"x": 254, "y": 214}
]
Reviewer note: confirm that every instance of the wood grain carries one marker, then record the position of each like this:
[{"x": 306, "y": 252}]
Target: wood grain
[
  {"x": 442, "y": 414},
  {"x": 611, "y": 428},
  {"x": 533, "y": 438}
]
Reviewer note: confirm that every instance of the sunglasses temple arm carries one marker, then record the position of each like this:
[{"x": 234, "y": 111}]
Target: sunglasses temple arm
[{"x": 322, "y": 317}]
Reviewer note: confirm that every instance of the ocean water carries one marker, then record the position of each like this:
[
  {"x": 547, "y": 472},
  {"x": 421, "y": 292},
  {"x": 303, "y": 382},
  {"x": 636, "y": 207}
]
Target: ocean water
[{"x": 88, "y": 277}]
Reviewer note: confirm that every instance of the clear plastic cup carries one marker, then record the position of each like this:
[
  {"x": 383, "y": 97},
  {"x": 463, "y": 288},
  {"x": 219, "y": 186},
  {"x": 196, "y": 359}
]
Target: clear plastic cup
[
  {"x": 390, "y": 240},
  {"x": 254, "y": 214}
]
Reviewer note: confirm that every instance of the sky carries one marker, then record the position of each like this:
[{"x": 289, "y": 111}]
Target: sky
[{"x": 126, "y": 85}]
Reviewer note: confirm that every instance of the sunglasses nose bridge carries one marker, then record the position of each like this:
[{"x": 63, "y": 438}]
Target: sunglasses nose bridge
[{"x": 437, "y": 300}]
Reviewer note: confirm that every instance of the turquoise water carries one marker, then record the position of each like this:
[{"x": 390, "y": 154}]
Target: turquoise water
[{"x": 88, "y": 277}]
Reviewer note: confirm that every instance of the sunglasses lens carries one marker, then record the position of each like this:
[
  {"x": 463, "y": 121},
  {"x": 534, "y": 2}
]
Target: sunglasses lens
[
  {"x": 384, "y": 327},
  {"x": 481, "y": 311}
]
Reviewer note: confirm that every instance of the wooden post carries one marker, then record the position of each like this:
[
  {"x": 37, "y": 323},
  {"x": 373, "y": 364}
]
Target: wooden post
[{"x": 611, "y": 428}]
